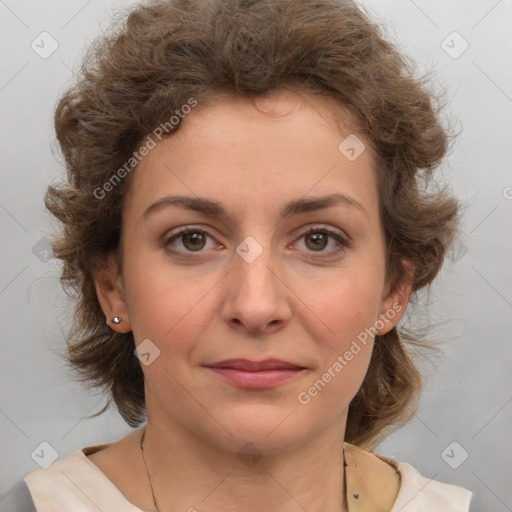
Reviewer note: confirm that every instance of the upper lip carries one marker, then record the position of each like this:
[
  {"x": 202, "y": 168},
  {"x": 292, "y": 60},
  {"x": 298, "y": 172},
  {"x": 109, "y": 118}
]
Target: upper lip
[{"x": 248, "y": 365}]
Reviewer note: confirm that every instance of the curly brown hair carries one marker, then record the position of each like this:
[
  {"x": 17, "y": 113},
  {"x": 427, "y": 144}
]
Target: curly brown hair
[{"x": 157, "y": 56}]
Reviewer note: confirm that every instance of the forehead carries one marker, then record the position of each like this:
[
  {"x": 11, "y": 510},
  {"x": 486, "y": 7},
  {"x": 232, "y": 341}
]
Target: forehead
[{"x": 259, "y": 154}]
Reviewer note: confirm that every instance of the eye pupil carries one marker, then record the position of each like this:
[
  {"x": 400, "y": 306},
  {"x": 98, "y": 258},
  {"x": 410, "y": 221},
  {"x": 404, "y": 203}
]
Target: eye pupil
[
  {"x": 196, "y": 238},
  {"x": 317, "y": 239}
]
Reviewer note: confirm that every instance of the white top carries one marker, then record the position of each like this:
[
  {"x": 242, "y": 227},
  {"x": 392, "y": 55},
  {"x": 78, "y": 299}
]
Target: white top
[{"x": 76, "y": 483}]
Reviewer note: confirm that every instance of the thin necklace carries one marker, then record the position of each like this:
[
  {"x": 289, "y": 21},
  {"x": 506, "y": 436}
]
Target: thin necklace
[
  {"x": 146, "y": 466},
  {"x": 153, "y": 492}
]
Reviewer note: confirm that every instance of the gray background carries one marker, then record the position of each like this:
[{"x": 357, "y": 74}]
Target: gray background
[{"x": 468, "y": 392}]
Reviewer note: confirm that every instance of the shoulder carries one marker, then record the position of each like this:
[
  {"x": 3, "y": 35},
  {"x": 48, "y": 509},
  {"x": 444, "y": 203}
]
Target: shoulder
[
  {"x": 49, "y": 488},
  {"x": 405, "y": 489},
  {"x": 71, "y": 483},
  {"x": 418, "y": 492},
  {"x": 85, "y": 482}
]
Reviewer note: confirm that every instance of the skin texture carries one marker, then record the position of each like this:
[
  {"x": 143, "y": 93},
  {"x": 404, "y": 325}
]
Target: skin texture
[{"x": 297, "y": 301}]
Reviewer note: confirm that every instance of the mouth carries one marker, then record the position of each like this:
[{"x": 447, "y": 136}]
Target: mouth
[{"x": 256, "y": 374}]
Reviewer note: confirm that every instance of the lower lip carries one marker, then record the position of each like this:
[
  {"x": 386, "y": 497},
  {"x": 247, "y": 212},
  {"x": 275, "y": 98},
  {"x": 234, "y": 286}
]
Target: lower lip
[{"x": 259, "y": 379}]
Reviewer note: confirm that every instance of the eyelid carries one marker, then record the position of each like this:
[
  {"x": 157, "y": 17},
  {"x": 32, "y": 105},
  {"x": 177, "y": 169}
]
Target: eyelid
[
  {"x": 330, "y": 230},
  {"x": 179, "y": 232},
  {"x": 342, "y": 238}
]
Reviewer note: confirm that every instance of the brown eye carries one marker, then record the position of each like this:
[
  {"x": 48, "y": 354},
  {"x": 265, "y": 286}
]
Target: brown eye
[
  {"x": 188, "y": 240},
  {"x": 318, "y": 240},
  {"x": 193, "y": 241}
]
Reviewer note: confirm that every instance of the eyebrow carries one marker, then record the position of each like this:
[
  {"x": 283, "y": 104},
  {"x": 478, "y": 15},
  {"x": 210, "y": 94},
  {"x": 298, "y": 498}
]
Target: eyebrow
[{"x": 216, "y": 209}]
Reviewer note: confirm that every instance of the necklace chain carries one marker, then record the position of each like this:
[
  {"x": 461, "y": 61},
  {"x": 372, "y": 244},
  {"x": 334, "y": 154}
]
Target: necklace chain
[
  {"x": 146, "y": 466},
  {"x": 153, "y": 492}
]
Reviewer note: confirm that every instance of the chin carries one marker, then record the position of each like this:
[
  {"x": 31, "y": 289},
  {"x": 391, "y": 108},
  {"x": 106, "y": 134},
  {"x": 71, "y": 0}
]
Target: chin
[{"x": 261, "y": 429}]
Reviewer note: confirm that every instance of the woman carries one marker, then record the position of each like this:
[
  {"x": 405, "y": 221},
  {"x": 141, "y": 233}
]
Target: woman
[{"x": 243, "y": 226}]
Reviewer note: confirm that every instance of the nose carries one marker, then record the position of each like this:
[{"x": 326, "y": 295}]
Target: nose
[{"x": 257, "y": 299}]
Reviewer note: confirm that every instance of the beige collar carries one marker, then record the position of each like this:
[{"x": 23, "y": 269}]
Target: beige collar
[{"x": 373, "y": 481}]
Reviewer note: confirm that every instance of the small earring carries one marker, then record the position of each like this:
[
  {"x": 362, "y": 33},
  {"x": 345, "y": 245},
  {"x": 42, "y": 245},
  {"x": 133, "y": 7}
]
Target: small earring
[{"x": 116, "y": 320}]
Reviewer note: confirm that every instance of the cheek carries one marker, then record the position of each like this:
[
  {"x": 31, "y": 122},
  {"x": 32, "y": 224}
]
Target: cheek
[
  {"x": 170, "y": 311},
  {"x": 165, "y": 304},
  {"x": 343, "y": 341},
  {"x": 341, "y": 331},
  {"x": 346, "y": 306}
]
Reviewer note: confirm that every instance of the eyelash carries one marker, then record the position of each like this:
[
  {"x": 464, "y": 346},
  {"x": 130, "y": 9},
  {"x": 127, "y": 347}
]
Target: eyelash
[{"x": 343, "y": 242}]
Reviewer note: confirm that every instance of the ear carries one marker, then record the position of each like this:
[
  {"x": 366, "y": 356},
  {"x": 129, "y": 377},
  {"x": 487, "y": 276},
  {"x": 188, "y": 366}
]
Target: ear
[
  {"x": 109, "y": 289},
  {"x": 395, "y": 302}
]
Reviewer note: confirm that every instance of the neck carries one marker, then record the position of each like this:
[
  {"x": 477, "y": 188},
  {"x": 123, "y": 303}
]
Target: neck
[{"x": 187, "y": 473}]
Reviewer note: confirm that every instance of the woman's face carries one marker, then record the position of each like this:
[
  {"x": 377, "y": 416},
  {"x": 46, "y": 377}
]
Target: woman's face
[{"x": 248, "y": 281}]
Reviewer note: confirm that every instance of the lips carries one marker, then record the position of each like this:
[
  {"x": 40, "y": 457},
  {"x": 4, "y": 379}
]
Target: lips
[
  {"x": 255, "y": 366},
  {"x": 245, "y": 373}
]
